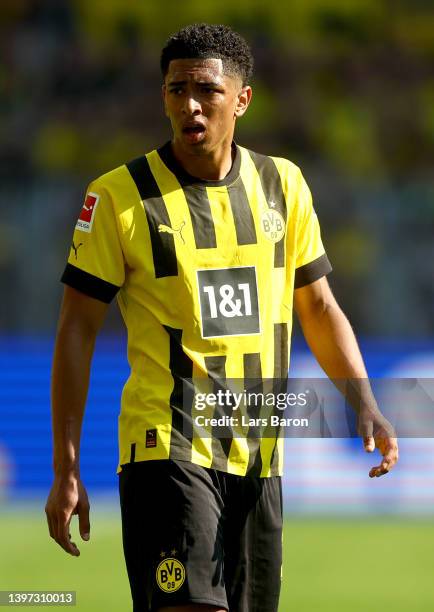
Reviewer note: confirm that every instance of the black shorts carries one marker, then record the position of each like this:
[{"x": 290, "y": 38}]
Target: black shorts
[{"x": 196, "y": 535}]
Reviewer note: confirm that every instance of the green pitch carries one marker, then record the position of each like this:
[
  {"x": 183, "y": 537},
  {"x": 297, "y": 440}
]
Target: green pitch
[{"x": 331, "y": 565}]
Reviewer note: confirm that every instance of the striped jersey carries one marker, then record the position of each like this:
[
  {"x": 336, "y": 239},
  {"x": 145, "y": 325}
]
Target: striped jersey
[{"x": 204, "y": 273}]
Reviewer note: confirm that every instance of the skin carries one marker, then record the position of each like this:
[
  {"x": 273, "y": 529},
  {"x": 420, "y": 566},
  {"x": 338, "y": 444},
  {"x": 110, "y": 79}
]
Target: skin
[
  {"x": 197, "y": 90},
  {"x": 332, "y": 341},
  {"x": 193, "y": 91},
  {"x": 80, "y": 319},
  {"x": 324, "y": 325}
]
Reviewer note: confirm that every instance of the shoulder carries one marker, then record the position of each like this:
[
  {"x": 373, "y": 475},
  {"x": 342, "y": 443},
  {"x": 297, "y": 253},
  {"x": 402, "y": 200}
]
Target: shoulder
[
  {"x": 274, "y": 168},
  {"x": 117, "y": 197},
  {"x": 113, "y": 179},
  {"x": 293, "y": 181},
  {"x": 121, "y": 184},
  {"x": 122, "y": 173},
  {"x": 288, "y": 170}
]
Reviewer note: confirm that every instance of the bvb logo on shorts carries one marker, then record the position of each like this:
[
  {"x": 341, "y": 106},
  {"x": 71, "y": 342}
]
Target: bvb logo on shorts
[
  {"x": 170, "y": 575},
  {"x": 273, "y": 224}
]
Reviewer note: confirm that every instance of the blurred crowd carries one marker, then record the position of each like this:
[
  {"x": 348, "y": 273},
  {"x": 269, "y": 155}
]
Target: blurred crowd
[{"x": 344, "y": 89}]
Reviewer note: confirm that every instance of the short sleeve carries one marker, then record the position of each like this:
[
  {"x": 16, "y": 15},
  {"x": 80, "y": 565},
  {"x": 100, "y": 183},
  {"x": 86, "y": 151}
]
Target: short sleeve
[
  {"x": 311, "y": 260},
  {"x": 96, "y": 263}
]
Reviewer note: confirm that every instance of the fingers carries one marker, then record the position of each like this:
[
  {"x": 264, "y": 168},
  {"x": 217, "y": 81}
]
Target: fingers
[
  {"x": 369, "y": 444},
  {"x": 67, "y": 497},
  {"x": 58, "y": 526},
  {"x": 389, "y": 450},
  {"x": 83, "y": 521},
  {"x": 52, "y": 523},
  {"x": 377, "y": 471},
  {"x": 390, "y": 454},
  {"x": 63, "y": 537},
  {"x": 378, "y": 432}
]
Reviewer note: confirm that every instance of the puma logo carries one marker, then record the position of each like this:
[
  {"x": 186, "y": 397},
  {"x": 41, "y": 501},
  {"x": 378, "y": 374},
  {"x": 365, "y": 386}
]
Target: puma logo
[
  {"x": 76, "y": 248},
  {"x": 171, "y": 230}
]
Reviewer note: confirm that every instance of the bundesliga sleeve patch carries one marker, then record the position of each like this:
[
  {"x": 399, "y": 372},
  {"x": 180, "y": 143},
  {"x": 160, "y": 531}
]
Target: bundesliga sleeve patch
[{"x": 87, "y": 214}]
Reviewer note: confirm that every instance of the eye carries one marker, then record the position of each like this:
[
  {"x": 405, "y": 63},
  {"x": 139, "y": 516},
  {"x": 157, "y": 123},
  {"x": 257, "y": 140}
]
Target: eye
[{"x": 176, "y": 90}]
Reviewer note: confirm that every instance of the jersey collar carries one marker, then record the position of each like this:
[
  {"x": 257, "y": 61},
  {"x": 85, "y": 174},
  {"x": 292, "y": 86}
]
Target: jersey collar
[{"x": 166, "y": 154}]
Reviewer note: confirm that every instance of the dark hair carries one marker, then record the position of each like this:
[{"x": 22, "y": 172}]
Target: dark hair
[{"x": 201, "y": 40}]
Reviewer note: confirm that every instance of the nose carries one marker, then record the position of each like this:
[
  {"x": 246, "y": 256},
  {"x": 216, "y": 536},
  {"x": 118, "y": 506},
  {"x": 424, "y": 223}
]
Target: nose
[{"x": 191, "y": 105}]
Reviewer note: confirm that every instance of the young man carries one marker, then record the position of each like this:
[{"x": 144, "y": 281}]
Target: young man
[{"x": 207, "y": 246}]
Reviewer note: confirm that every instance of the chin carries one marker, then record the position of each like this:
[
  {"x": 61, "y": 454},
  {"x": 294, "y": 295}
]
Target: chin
[{"x": 202, "y": 145}]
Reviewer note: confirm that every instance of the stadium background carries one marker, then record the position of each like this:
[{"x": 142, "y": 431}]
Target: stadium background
[{"x": 345, "y": 90}]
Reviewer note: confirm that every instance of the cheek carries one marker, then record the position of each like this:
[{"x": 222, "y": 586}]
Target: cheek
[
  {"x": 172, "y": 113},
  {"x": 232, "y": 107},
  {"x": 226, "y": 112}
]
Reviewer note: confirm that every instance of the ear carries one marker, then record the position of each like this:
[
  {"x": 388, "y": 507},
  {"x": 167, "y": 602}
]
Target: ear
[
  {"x": 163, "y": 95},
  {"x": 243, "y": 101}
]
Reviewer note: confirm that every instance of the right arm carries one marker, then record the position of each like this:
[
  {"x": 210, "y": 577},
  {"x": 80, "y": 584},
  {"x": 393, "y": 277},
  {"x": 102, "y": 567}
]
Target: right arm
[{"x": 80, "y": 320}]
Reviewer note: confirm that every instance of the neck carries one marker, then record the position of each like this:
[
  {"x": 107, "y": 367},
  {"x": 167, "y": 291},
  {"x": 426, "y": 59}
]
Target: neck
[{"x": 208, "y": 166}]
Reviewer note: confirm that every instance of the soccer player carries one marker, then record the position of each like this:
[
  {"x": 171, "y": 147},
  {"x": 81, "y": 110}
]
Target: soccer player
[{"x": 208, "y": 247}]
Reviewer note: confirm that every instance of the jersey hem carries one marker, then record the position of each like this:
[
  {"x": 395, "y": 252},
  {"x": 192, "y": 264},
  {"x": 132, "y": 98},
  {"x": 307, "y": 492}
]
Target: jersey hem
[{"x": 215, "y": 465}]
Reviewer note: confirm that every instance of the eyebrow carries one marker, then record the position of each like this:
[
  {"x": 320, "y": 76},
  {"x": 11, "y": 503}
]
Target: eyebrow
[{"x": 202, "y": 83}]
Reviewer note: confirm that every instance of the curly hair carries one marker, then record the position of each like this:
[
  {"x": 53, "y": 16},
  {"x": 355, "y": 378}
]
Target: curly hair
[{"x": 204, "y": 41}]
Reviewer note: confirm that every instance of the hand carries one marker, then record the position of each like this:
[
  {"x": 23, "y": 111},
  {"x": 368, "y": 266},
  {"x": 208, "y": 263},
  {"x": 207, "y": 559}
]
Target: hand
[
  {"x": 388, "y": 447},
  {"x": 67, "y": 497},
  {"x": 378, "y": 432}
]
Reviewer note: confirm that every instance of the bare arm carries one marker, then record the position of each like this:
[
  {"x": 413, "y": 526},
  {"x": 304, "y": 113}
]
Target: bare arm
[
  {"x": 332, "y": 341},
  {"x": 80, "y": 320}
]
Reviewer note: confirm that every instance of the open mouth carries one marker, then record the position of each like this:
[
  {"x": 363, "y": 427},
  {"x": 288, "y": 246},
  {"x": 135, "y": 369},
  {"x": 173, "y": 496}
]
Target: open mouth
[
  {"x": 194, "y": 134},
  {"x": 194, "y": 129}
]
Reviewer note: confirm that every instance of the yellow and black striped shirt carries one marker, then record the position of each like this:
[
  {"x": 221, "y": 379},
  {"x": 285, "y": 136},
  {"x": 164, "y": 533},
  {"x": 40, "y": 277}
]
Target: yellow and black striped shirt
[{"x": 204, "y": 273}]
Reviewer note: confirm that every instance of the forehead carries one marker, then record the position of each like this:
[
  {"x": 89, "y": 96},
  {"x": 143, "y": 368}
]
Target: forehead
[{"x": 196, "y": 69}]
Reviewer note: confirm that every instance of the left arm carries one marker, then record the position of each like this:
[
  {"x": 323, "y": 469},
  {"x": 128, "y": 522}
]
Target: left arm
[{"x": 332, "y": 341}]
